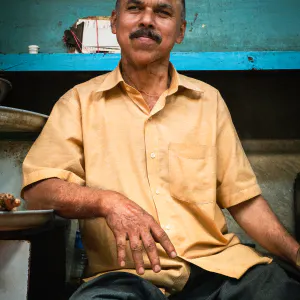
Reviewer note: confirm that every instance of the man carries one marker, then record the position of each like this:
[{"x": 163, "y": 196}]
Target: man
[{"x": 146, "y": 158}]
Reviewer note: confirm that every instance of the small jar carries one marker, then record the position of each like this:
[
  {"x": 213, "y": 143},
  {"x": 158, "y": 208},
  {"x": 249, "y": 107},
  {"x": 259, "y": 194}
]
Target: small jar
[{"x": 33, "y": 49}]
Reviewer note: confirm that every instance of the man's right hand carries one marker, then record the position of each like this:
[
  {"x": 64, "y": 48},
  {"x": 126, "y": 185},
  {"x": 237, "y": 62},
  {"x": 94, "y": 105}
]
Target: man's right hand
[{"x": 128, "y": 221}]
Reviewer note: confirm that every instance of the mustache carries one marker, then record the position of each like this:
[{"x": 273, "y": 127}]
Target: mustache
[{"x": 146, "y": 32}]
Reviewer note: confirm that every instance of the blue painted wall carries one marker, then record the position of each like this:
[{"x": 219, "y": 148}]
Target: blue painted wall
[{"x": 213, "y": 25}]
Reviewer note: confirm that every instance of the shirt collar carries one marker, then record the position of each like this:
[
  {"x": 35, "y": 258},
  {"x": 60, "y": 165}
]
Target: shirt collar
[
  {"x": 113, "y": 78},
  {"x": 181, "y": 80}
]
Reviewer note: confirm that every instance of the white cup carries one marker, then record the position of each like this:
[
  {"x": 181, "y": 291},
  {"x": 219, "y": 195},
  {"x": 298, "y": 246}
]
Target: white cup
[{"x": 33, "y": 49}]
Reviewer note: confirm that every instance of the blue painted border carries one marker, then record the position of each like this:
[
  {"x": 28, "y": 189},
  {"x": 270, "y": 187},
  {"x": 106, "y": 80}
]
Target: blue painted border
[{"x": 202, "y": 61}]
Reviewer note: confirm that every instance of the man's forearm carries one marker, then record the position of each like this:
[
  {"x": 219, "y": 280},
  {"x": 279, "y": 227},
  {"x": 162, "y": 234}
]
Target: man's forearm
[
  {"x": 69, "y": 200},
  {"x": 258, "y": 220}
]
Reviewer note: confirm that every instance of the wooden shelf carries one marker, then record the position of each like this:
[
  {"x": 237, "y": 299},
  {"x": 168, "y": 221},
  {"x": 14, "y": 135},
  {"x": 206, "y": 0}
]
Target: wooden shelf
[{"x": 183, "y": 61}]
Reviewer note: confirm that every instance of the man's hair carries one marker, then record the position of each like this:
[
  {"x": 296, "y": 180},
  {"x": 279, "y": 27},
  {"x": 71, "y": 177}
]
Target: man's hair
[{"x": 183, "y": 13}]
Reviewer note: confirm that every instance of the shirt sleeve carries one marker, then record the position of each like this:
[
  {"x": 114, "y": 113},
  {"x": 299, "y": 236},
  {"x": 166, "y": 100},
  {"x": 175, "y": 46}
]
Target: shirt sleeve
[
  {"x": 58, "y": 151},
  {"x": 236, "y": 181}
]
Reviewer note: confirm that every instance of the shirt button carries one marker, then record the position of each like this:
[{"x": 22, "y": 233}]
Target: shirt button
[
  {"x": 153, "y": 155},
  {"x": 157, "y": 192},
  {"x": 168, "y": 227}
]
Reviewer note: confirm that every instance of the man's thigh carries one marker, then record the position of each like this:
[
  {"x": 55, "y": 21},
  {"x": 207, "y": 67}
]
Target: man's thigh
[
  {"x": 118, "y": 286},
  {"x": 262, "y": 282}
]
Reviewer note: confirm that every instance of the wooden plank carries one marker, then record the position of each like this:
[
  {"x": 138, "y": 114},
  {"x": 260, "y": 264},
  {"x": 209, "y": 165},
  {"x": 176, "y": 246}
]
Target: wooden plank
[{"x": 213, "y": 61}]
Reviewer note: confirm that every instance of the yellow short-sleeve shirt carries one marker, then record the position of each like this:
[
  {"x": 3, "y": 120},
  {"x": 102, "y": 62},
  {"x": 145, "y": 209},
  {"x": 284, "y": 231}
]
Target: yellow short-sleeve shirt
[{"x": 182, "y": 162}]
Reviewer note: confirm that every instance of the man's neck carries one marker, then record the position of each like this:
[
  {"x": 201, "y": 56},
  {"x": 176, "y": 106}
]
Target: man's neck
[{"x": 150, "y": 80}]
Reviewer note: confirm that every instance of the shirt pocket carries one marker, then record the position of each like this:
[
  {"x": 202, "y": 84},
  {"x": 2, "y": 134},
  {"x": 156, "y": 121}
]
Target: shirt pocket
[{"x": 192, "y": 176}]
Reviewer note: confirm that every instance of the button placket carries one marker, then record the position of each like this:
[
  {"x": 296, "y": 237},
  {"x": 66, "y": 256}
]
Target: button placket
[
  {"x": 151, "y": 153},
  {"x": 153, "y": 161}
]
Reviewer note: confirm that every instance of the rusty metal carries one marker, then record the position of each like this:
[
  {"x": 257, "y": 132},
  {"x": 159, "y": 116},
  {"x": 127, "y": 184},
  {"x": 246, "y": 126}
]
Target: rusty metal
[{"x": 17, "y": 120}]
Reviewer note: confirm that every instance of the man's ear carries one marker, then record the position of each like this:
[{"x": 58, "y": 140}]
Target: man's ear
[
  {"x": 113, "y": 21},
  {"x": 181, "y": 32}
]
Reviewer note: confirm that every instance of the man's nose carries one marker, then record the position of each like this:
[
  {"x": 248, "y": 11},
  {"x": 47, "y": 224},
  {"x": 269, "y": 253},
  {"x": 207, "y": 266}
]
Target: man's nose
[{"x": 147, "y": 18}]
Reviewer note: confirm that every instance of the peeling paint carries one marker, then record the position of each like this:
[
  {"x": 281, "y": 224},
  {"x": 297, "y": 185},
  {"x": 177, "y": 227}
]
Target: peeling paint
[{"x": 194, "y": 21}]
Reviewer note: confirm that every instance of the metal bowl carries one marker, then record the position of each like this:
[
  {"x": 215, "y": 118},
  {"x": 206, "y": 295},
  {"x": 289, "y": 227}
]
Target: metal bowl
[
  {"x": 18, "y": 120},
  {"x": 27, "y": 219}
]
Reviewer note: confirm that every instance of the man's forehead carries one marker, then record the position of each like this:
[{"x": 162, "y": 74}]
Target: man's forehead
[{"x": 153, "y": 2}]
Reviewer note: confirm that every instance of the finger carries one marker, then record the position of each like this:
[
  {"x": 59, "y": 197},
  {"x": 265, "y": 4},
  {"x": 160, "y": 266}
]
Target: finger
[
  {"x": 161, "y": 237},
  {"x": 137, "y": 253},
  {"x": 121, "y": 248},
  {"x": 151, "y": 249}
]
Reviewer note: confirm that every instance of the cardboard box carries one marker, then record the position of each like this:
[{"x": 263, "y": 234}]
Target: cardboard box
[{"x": 97, "y": 35}]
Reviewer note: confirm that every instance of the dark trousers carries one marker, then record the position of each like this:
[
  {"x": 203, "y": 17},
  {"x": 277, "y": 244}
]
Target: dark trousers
[{"x": 262, "y": 282}]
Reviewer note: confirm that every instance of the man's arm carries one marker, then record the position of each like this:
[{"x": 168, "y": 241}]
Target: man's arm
[
  {"x": 260, "y": 223},
  {"x": 69, "y": 200},
  {"x": 125, "y": 218}
]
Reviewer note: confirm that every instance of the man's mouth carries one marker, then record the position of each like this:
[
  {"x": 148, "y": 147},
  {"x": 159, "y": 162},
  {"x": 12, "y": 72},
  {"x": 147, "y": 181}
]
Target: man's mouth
[
  {"x": 145, "y": 33},
  {"x": 146, "y": 39}
]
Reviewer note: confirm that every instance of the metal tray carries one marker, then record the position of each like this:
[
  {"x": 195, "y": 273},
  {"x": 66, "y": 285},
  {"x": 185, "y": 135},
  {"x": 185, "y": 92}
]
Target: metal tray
[
  {"x": 27, "y": 219},
  {"x": 18, "y": 120}
]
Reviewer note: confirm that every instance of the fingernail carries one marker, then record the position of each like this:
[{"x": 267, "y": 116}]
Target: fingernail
[
  {"x": 173, "y": 254},
  {"x": 157, "y": 269},
  {"x": 123, "y": 263},
  {"x": 141, "y": 271}
]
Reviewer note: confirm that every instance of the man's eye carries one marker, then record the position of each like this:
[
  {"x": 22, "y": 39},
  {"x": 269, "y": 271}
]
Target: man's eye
[
  {"x": 133, "y": 7},
  {"x": 164, "y": 13}
]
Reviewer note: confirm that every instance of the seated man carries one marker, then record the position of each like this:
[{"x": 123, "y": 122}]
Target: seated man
[{"x": 146, "y": 159}]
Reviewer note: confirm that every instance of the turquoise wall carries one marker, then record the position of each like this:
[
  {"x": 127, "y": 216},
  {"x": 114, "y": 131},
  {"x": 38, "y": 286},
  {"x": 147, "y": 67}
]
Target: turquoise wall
[{"x": 213, "y": 25}]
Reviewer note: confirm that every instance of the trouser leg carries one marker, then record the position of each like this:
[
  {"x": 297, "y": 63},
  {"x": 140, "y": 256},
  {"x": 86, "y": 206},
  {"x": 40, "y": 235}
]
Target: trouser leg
[
  {"x": 262, "y": 282},
  {"x": 118, "y": 286}
]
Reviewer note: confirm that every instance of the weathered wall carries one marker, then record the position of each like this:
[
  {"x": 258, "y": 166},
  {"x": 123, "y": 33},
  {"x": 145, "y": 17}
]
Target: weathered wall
[
  {"x": 213, "y": 25},
  {"x": 12, "y": 154}
]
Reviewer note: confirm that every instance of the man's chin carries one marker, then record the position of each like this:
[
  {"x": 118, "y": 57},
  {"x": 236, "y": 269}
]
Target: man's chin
[{"x": 145, "y": 57}]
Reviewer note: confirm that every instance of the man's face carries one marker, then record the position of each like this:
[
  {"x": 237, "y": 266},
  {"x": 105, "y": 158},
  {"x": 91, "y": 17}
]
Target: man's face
[{"x": 148, "y": 29}]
